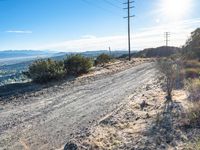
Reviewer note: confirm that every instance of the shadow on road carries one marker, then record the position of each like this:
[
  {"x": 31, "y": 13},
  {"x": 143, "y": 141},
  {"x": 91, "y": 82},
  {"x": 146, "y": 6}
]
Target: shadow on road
[{"x": 7, "y": 92}]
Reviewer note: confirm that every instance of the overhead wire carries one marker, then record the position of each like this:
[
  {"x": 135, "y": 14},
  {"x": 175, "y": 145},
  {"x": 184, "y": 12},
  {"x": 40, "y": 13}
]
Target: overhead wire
[
  {"x": 100, "y": 7},
  {"x": 112, "y": 4}
]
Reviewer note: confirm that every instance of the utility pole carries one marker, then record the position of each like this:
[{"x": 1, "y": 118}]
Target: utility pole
[
  {"x": 129, "y": 7},
  {"x": 167, "y": 34}
]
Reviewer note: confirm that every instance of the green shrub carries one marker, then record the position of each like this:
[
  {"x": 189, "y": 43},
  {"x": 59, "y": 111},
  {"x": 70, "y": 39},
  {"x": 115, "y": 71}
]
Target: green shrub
[
  {"x": 77, "y": 64},
  {"x": 102, "y": 59},
  {"x": 192, "y": 73},
  {"x": 43, "y": 71}
]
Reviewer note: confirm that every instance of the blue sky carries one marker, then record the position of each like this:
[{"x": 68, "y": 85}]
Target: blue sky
[{"x": 80, "y": 25}]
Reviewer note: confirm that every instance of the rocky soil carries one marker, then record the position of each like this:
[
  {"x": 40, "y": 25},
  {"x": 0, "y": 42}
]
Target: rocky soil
[{"x": 146, "y": 122}]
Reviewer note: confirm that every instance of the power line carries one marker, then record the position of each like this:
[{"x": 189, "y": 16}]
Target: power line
[
  {"x": 97, "y": 6},
  {"x": 129, "y": 7},
  {"x": 119, "y": 1},
  {"x": 112, "y": 4}
]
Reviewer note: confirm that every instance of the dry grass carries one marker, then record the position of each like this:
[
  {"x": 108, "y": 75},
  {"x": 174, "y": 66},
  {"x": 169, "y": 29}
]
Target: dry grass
[
  {"x": 192, "y": 73},
  {"x": 197, "y": 145},
  {"x": 194, "y": 115},
  {"x": 193, "y": 87},
  {"x": 192, "y": 69},
  {"x": 192, "y": 64},
  {"x": 104, "y": 137}
]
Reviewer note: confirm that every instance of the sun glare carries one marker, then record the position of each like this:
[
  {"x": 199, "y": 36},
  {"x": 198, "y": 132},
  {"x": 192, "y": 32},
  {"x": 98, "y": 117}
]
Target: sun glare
[{"x": 175, "y": 9}]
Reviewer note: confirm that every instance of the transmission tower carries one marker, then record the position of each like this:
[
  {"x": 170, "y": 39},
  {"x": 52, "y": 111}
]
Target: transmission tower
[
  {"x": 167, "y": 34},
  {"x": 110, "y": 50},
  {"x": 129, "y": 7}
]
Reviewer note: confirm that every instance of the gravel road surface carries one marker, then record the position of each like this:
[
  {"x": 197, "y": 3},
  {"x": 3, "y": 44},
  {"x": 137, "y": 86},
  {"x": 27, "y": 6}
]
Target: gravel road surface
[{"x": 47, "y": 121}]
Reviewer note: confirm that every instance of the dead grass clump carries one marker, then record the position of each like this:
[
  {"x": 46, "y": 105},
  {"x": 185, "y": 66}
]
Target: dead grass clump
[{"x": 104, "y": 138}]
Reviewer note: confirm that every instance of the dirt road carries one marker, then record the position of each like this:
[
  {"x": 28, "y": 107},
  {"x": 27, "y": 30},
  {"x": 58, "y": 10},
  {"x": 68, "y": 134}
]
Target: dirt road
[{"x": 49, "y": 120}]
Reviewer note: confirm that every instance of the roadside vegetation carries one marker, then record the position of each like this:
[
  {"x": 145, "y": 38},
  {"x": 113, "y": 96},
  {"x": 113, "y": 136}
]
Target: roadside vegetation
[
  {"x": 191, "y": 53},
  {"x": 103, "y": 59},
  {"x": 77, "y": 64},
  {"x": 169, "y": 69},
  {"x": 44, "y": 71},
  {"x": 182, "y": 71}
]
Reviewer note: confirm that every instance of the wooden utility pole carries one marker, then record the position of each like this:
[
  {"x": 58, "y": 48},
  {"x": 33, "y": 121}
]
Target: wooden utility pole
[{"x": 129, "y": 7}]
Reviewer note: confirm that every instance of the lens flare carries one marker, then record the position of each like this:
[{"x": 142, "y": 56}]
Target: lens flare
[{"x": 175, "y": 9}]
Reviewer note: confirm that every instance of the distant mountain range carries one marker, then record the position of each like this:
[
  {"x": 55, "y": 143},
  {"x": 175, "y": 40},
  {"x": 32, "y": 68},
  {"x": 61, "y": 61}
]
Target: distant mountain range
[
  {"x": 37, "y": 53},
  {"x": 23, "y": 53}
]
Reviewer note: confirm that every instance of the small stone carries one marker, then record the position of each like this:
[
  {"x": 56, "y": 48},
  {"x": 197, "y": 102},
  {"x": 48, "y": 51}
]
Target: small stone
[
  {"x": 163, "y": 146},
  {"x": 137, "y": 118},
  {"x": 158, "y": 140},
  {"x": 169, "y": 138},
  {"x": 148, "y": 116}
]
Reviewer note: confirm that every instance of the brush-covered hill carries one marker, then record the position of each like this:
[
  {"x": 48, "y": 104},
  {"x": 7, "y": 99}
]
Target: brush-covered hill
[{"x": 155, "y": 52}]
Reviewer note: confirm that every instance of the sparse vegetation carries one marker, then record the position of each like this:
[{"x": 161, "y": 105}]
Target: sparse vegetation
[
  {"x": 102, "y": 59},
  {"x": 192, "y": 73},
  {"x": 194, "y": 115},
  {"x": 43, "y": 71},
  {"x": 192, "y": 69},
  {"x": 78, "y": 64},
  {"x": 192, "y": 64},
  {"x": 197, "y": 145},
  {"x": 169, "y": 69},
  {"x": 193, "y": 87}
]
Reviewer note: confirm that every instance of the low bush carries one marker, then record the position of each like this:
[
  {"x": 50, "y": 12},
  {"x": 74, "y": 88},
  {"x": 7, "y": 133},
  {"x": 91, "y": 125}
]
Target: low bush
[
  {"x": 43, "y": 71},
  {"x": 102, "y": 59},
  {"x": 77, "y": 64},
  {"x": 193, "y": 87}
]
